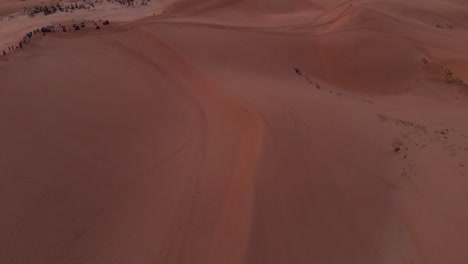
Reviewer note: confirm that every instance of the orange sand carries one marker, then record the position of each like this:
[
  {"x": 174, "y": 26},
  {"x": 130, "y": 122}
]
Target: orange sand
[{"x": 228, "y": 131}]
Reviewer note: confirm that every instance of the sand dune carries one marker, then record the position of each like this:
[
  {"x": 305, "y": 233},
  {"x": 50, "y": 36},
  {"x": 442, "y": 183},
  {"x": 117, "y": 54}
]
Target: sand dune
[{"x": 229, "y": 131}]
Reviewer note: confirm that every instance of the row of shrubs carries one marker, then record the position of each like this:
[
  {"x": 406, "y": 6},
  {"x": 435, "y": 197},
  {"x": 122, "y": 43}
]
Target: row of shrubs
[
  {"x": 47, "y": 10},
  {"x": 124, "y": 2}
]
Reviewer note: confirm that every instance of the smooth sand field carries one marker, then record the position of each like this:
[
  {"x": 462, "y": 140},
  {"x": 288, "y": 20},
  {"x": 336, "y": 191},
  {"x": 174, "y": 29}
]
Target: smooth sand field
[{"x": 229, "y": 131}]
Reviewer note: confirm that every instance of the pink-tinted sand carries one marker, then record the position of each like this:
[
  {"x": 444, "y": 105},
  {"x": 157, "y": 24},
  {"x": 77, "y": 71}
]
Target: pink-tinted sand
[{"x": 251, "y": 132}]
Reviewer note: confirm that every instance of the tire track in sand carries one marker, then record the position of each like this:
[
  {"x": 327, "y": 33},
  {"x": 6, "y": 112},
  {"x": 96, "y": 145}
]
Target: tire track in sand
[{"x": 208, "y": 100}]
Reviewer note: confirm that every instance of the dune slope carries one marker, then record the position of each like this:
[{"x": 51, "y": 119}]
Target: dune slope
[{"x": 325, "y": 132}]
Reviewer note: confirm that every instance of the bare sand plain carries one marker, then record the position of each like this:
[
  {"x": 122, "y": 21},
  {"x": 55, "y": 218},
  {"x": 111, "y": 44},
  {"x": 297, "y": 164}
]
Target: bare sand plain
[{"x": 229, "y": 131}]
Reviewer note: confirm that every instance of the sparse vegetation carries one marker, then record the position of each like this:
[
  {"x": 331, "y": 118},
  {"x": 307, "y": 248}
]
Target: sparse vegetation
[
  {"x": 52, "y": 9},
  {"x": 443, "y": 73},
  {"x": 48, "y": 10},
  {"x": 125, "y": 2}
]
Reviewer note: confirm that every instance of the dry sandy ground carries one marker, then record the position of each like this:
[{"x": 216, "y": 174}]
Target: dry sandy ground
[
  {"x": 227, "y": 131},
  {"x": 13, "y": 29}
]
